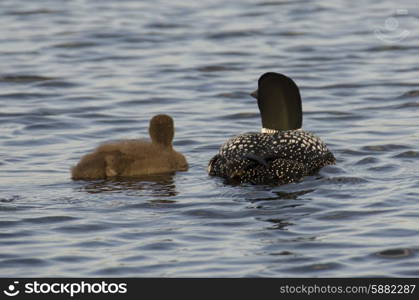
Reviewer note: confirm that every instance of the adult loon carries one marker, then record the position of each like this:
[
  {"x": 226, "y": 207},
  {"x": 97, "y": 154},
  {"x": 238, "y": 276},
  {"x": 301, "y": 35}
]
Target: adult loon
[
  {"x": 282, "y": 153},
  {"x": 128, "y": 158}
]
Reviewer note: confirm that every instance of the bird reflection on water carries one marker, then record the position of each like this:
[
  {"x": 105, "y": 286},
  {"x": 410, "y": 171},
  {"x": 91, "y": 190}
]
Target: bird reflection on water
[{"x": 160, "y": 185}]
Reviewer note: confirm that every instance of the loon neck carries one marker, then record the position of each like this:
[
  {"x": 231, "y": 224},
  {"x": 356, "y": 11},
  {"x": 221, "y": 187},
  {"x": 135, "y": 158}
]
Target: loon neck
[
  {"x": 273, "y": 131},
  {"x": 269, "y": 131}
]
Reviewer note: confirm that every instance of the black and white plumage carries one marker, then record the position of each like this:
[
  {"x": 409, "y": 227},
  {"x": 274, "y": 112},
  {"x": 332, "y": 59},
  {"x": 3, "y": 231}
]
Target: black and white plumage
[{"x": 283, "y": 152}]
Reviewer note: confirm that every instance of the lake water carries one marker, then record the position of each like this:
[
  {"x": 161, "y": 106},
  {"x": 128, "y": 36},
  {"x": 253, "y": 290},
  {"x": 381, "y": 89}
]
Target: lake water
[{"x": 74, "y": 74}]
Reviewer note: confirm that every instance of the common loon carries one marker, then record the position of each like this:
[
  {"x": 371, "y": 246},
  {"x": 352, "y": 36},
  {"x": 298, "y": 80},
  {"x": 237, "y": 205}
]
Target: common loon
[
  {"x": 282, "y": 153},
  {"x": 128, "y": 158}
]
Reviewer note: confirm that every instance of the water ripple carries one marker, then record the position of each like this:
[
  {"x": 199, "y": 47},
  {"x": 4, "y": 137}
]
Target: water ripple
[{"x": 73, "y": 78}]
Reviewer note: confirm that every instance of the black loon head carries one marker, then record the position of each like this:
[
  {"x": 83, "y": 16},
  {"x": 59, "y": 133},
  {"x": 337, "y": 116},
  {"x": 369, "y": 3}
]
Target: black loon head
[{"x": 279, "y": 102}]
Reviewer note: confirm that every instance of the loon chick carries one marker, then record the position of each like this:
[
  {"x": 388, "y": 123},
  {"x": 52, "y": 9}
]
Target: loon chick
[
  {"x": 128, "y": 158},
  {"x": 282, "y": 153}
]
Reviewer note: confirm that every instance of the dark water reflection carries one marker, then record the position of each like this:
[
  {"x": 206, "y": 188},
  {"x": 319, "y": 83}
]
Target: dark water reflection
[
  {"x": 154, "y": 185},
  {"x": 74, "y": 74}
]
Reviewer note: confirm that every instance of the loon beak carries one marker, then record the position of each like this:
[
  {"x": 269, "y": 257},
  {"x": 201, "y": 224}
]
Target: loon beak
[{"x": 254, "y": 94}]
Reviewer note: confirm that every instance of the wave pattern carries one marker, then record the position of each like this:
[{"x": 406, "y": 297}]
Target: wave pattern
[{"x": 74, "y": 74}]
